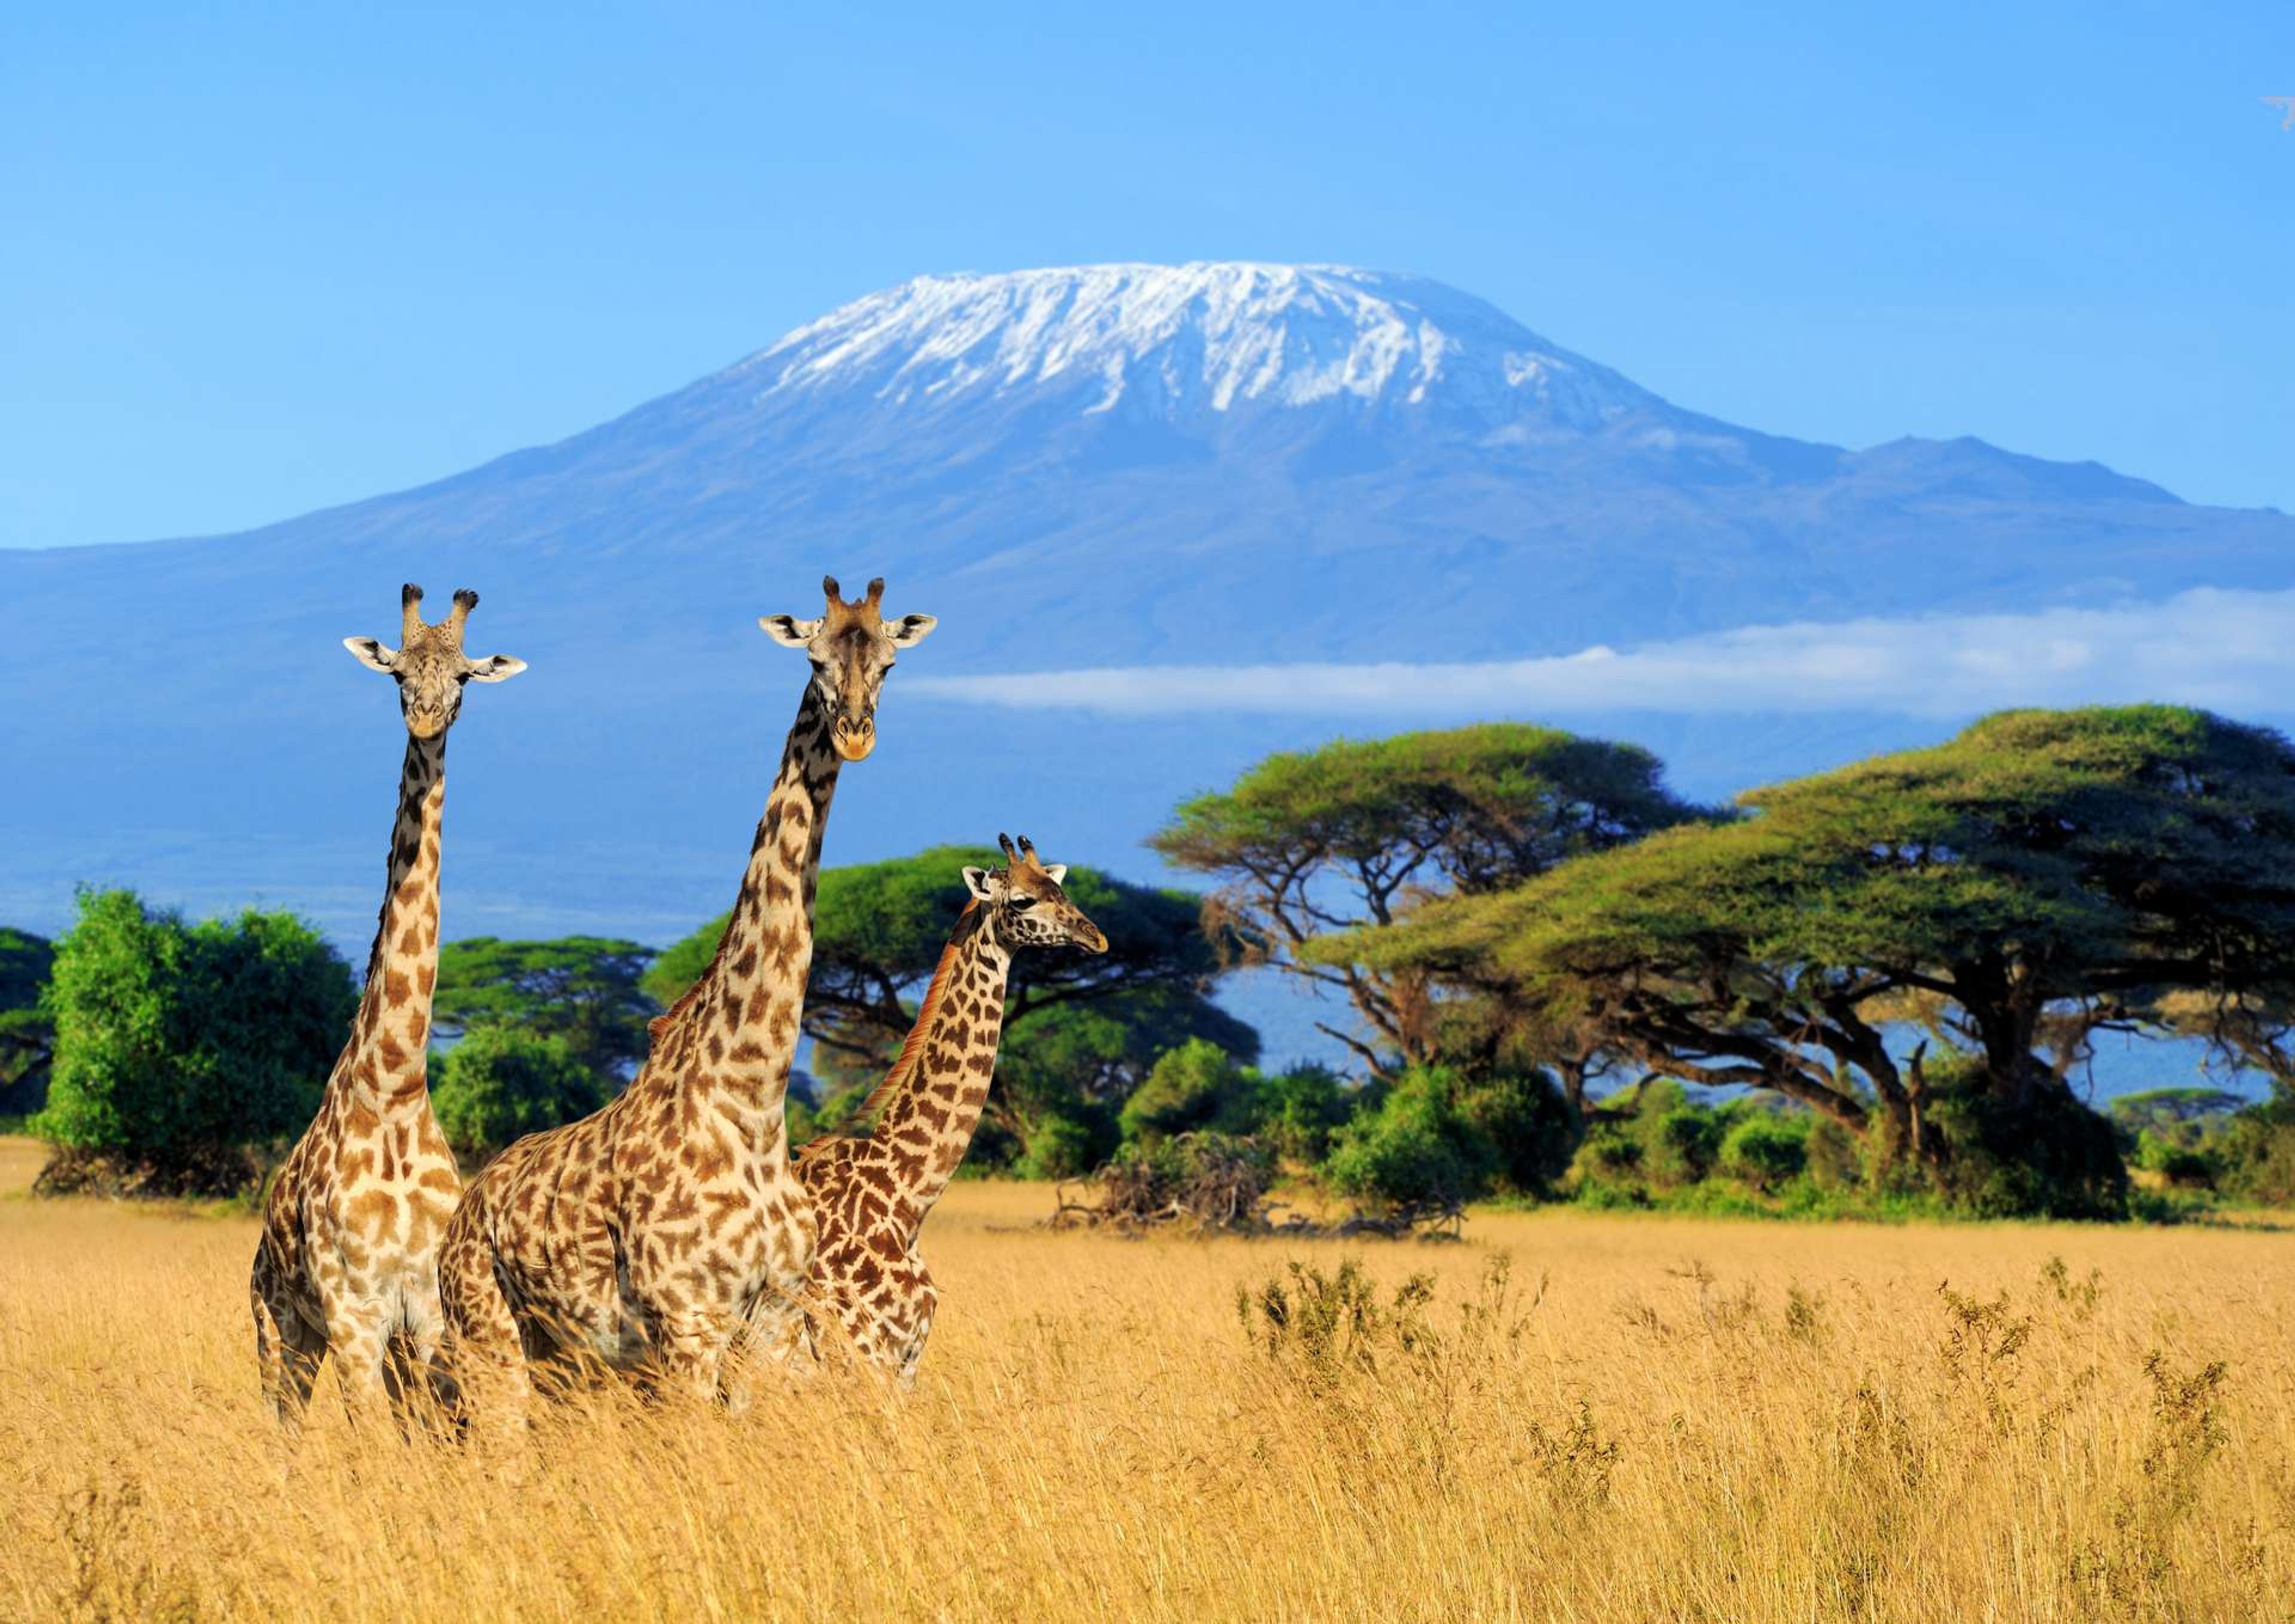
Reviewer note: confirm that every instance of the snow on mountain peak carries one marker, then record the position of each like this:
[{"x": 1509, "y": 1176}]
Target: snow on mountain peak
[{"x": 1193, "y": 337}]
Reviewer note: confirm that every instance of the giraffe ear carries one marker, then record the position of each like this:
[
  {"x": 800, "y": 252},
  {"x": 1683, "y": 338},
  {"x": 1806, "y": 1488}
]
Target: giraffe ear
[
  {"x": 495, "y": 668},
  {"x": 1056, "y": 871},
  {"x": 787, "y": 630},
  {"x": 911, "y": 630},
  {"x": 371, "y": 654},
  {"x": 977, "y": 882}
]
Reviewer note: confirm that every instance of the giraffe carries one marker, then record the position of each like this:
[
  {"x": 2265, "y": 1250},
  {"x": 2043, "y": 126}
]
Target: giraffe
[
  {"x": 348, "y": 1260},
  {"x": 871, "y": 1192},
  {"x": 643, "y": 1233}
]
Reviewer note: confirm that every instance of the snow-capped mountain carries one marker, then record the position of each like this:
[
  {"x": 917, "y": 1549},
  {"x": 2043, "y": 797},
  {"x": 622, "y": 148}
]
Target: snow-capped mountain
[
  {"x": 1114, "y": 465},
  {"x": 1179, "y": 340}
]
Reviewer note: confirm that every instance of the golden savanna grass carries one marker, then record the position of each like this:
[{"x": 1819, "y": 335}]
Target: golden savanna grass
[{"x": 1652, "y": 1419}]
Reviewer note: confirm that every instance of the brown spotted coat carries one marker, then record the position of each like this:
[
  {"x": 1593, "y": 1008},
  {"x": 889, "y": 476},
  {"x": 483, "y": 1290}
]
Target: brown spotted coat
[
  {"x": 348, "y": 1260},
  {"x": 869, "y": 1289},
  {"x": 642, "y": 1235}
]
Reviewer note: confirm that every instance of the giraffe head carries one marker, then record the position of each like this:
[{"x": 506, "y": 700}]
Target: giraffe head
[
  {"x": 852, "y": 647},
  {"x": 429, "y": 664},
  {"x": 1024, "y": 903}
]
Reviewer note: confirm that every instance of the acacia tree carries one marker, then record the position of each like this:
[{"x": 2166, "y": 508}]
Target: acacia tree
[
  {"x": 1359, "y": 834},
  {"x": 2042, "y": 876},
  {"x": 586, "y": 990},
  {"x": 1079, "y": 1029}
]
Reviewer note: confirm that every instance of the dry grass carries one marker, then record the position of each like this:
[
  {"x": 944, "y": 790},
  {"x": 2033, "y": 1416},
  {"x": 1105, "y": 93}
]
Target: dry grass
[{"x": 1688, "y": 1420}]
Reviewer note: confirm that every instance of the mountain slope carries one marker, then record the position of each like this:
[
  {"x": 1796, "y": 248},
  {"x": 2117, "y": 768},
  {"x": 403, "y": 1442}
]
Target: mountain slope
[{"x": 1121, "y": 464}]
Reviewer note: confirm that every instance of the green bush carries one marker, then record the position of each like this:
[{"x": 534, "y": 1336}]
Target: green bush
[
  {"x": 1414, "y": 1147},
  {"x": 1192, "y": 1087},
  {"x": 1295, "y": 1113},
  {"x": 503, "y": 1082},
  {"x": 2047, "y": 1157},
  {"x": 2258, "y": 1152},
  {"x": 1525, "y": 1121},
  {"x": 1681, "y": 1146},
  {"x": 1834, "y": 1159},
  {"x": 179, "y": 1045},
  {"x": 1061, "y": 1147},
  {"x": 2178, "y": 1158},
  {"x": 1764, "y": 1150}
]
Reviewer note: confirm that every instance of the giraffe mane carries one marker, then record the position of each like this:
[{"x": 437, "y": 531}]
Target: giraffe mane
[
  {"x": 912, "y": 1047},
  {"x": 676, "y": 1012}
]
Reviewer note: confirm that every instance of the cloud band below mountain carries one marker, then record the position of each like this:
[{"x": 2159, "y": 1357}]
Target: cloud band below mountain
[{"x": 2232, "y": 651}]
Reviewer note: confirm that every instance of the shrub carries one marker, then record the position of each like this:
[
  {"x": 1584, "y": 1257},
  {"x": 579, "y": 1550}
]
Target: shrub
[
  {"x": 1835, "y": 1158},
  {"x": 2258, "y": 1152},
  {"x": 1060, "y": 1147},
  {"x": 2176, "y": 1158},
  {"x": 1681, "y": 1146},
  {"x": 178, "y": 1047},
  {"x": 1525, "y": 1121},
  {"x": 1416, "y": 1148},
  {"x": 2048, "y": 1156},
  {"x": 1766, "y": 1148},
  {"x": 1297, "y": 1110},
  {"x": 503, "y": 1082},
  {"x": 1192, "y": 1087},
  {"x": 1211, "y": 1180}
]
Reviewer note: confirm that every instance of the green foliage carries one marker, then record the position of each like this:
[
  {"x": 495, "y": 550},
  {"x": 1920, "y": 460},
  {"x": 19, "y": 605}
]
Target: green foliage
[
  {"x": 1523, "y": 1119},
  {"x": 2170, "y": 1108},
  {"x": 1765, "y": 1150},
  {"x": 1836, "y": 1158},
  {"x": 1352, "y": 833},
  {"x": 27, "y": 1035},
  {"x": 2009, "y": 890},
  {"x": 1061, "y": 1146},
  {"x": 585, "y": 990},
  {"x": 2188, "y": 1165},
  {"x": 1199, "y": 1087},
  {"x": 2258, "y": 1152},
  {"x": 878, "y": 930},
  {"x": 1295, "y": 1113},
  {"x": 1681, "y": 1146},
  {"x": 1416, "y": 1148},
  {"x": 1194, "y": 1086},
  {"x": 176, "y": 1044},
  {"x": 2045, "y": 1156},
  {"x": 502, "y": 1082}
]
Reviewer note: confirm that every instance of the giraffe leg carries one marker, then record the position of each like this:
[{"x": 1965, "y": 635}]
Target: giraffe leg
[
  {"x": 690, "y": 1345},
  {"x": 423, "y": 1387},
  {"x": 287, "y": 1350},
  {"x": 487, "y": 1354},
  {"x": 361, "y": 1344}
]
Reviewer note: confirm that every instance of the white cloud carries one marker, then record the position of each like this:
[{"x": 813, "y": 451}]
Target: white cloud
[{"x": 2230, "y": 650}]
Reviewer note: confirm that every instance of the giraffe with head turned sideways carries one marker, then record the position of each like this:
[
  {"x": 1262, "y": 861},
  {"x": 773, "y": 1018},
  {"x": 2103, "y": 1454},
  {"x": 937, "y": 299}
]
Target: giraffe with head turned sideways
[
  {"x": 643, "y": 1234},
  {"x": 871, "y": 1192},
  {"x": 348, "y": 1260}
]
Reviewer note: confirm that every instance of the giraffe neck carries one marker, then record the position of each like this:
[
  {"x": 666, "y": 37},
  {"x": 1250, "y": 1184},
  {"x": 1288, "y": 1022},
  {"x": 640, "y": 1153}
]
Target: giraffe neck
[
  {"x": 391, "y": 1035},
  {"x": 933, "y": 1096},
  {"x": 740, "y": 1021}
]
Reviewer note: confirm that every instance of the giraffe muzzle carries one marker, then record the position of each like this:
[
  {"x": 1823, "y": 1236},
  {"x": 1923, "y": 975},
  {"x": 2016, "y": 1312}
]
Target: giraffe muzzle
[{"x": 855, "y": 737}]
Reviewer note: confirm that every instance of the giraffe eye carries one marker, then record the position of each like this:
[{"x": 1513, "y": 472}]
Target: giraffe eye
[{"x": 1022, "y": 903}]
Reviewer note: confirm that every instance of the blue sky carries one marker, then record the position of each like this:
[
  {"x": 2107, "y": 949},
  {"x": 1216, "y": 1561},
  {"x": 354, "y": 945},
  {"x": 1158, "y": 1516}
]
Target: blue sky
[{"x": 260, "y": 260}]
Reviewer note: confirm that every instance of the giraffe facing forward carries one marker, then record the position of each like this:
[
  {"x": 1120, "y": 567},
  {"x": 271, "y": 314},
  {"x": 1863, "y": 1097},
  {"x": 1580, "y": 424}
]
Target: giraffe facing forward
[
  {"x": 643, "y": 1234},
  {"x": 348, "y": 1261},
  {"x": 871, "y": 1192}
]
